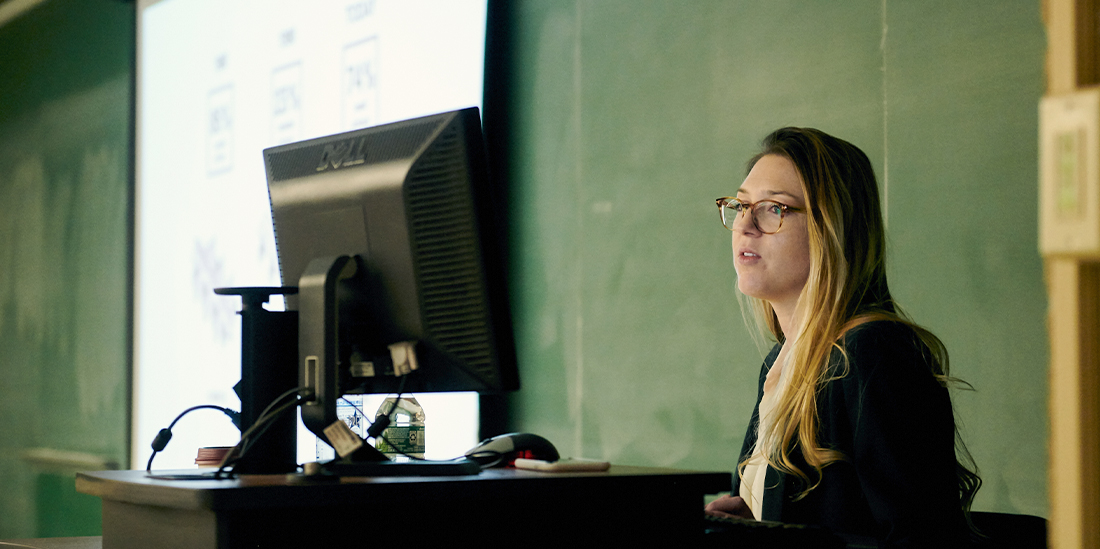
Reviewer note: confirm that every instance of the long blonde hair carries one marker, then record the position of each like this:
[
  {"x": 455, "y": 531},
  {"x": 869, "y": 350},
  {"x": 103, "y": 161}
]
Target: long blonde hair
[{"x": 846, "y": 287}]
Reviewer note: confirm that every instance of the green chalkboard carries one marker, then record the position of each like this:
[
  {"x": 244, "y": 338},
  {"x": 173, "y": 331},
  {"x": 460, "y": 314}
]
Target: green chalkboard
[
  {"x": 65, "y": 126},
  {"x": 628, "y": 117}
]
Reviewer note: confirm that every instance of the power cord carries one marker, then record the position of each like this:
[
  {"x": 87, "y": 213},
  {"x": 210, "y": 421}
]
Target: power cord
[
  {"x": 378, "y": 427},
  {"x": 491, "y": 458},
  {"x": 165, "y": 435},
  {"x": 265, "y": 420}
]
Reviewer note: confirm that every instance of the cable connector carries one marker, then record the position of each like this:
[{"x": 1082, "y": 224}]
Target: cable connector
[
  {"x": 379, "y": 426},
  {"x": 165, "y": 435},
  {"x": 162, "y": 439},
  {"x": 234, "y": 416}
]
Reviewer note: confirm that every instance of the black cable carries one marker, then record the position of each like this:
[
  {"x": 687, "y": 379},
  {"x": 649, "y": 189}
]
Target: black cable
[
  {"x": 165, "y": 435},
  {"x": 385, "y": 420},
  {"x": 375, "y": 430},
  {"x": 285, "y": 394},
  {"x": 494, "y": 456},
  {"x": 263, "y": 422},
  {"x": 239, "y": 452},
  {"x": 378, "y": 427},
  {"x": 382, "y": 434},
  {"x": 490, "y": 454}
]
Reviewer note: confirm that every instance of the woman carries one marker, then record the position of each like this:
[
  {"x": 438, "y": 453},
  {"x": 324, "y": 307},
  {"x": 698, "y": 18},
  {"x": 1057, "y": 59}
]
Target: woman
[{"x": 853, "y": 427}]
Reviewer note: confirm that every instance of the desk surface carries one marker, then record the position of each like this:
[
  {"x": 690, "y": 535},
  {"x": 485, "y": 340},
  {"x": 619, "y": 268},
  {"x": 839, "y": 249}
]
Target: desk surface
[
  {"x": 498, "y": 504},
  {"x": 263, "y": 491}
]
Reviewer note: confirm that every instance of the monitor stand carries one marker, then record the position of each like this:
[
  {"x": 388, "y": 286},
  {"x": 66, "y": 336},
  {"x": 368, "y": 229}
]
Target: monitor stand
[
  {"x": 369, "y": 462},
  {"x": 319, "y": 371}
]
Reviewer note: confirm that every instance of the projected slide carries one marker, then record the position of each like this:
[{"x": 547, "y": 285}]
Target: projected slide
[{"x": 219, "y": 81}]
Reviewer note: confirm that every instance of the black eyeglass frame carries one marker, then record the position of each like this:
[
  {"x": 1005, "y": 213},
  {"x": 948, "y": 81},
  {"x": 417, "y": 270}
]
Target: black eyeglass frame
[{"x": 750, "y": 207}]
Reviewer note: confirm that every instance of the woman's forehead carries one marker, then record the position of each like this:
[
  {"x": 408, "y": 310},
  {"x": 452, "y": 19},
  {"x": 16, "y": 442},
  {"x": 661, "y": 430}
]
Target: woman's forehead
[{"x": 772, "y": 176}]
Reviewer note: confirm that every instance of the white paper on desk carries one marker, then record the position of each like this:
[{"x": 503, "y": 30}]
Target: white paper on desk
[{"x": 568, "y": 465}]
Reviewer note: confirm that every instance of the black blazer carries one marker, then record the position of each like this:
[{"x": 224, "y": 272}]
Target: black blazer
[{"x": 894, "y": 424}]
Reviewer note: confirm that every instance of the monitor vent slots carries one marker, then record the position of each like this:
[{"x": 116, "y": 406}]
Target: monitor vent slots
[{"x": 442, "y": 220}]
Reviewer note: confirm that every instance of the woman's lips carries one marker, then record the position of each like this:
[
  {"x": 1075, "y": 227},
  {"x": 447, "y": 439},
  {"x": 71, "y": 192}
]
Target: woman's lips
[{"x": 745, "y": 256}]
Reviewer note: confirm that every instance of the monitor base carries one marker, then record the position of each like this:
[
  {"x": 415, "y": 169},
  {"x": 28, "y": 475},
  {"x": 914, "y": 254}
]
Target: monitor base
[{"x": 345, "y": 468}]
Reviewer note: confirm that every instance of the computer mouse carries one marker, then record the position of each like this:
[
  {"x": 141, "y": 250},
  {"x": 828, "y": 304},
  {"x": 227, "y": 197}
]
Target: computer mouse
[{"x": 502, "y": 450}]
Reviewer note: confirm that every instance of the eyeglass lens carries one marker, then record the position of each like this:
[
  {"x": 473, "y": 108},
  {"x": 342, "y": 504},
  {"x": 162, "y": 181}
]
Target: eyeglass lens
[{"x": 766, "y": 215}]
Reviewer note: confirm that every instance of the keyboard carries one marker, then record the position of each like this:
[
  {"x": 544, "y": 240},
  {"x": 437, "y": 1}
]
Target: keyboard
[{"x": 739, "y": 533}]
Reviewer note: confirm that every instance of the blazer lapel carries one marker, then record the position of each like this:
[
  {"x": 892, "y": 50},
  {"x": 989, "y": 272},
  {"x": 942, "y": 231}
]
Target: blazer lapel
[{"x": 772, "y": 506}]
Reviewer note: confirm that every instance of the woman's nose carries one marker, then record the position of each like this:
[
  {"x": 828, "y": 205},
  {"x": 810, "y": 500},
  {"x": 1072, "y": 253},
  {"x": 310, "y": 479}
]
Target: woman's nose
[{"x": 743, "y": 223}]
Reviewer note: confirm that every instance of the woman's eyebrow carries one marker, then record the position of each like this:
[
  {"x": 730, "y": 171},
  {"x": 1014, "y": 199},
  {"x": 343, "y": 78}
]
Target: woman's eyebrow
[{"x": 770, "y": 193}]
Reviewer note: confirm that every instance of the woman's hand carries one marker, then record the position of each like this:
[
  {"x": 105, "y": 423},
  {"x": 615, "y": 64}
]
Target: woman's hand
[{"x": 729, "y": 506}]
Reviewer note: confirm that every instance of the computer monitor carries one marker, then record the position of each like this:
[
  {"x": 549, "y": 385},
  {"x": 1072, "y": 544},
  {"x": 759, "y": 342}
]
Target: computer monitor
[{"x": 391, "y": 235}]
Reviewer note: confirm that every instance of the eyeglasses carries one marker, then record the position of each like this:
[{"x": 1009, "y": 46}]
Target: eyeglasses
[{"x": 767, "y": 215}]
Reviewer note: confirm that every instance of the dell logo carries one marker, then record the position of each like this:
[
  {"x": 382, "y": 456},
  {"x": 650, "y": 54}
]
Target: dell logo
[{"x": 343, "y": 154}]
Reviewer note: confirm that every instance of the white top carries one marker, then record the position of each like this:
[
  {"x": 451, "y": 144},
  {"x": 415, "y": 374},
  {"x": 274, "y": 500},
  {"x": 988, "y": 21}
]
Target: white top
[{"x": 752, "y": 479}]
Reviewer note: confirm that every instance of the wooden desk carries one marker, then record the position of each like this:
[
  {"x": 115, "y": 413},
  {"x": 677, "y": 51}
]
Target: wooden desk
[{"x": 499, "y": 505}]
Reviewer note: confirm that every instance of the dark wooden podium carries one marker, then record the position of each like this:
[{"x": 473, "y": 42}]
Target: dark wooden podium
[{"x": 520, "y": 508}]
